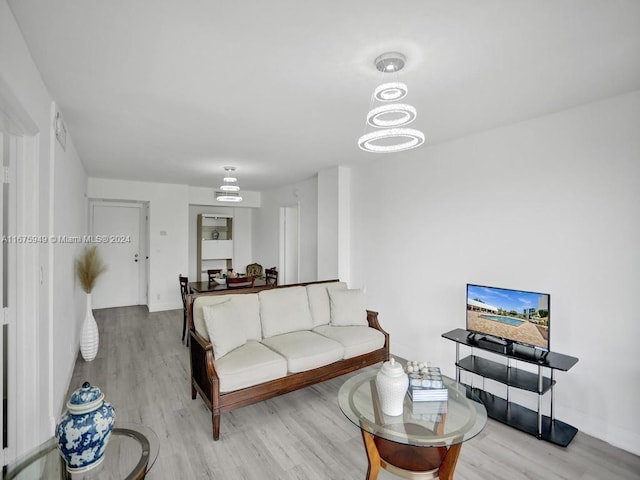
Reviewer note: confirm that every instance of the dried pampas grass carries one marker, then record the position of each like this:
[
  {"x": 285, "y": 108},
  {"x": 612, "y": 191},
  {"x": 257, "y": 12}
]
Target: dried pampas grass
[{"x": 89, "y": 267}]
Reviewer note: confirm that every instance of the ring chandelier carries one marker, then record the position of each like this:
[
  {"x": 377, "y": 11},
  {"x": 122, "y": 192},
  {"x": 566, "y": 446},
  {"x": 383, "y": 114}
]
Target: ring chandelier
[
  {"x": 388, "y": 92},
  {"x": 399, "y": 114},
  {"x": 390, "y": 119},
  {"x": 230, "y": 191},
  {"x": 406, "y": 138}
]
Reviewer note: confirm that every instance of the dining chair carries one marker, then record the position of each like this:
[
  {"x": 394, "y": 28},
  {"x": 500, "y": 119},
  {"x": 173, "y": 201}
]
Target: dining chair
[
  {"x": 255, "y": 270},
  {"x": 213, "y": 272},
  {"x": 271, "y": 276},
  {"x": 240, "y": 282},
  {"x": 184, "y": 291}
]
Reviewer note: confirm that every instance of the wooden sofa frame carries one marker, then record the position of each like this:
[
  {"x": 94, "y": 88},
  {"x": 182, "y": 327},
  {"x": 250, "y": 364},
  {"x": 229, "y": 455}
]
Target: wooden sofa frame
[{"x": 205, "y": 380}]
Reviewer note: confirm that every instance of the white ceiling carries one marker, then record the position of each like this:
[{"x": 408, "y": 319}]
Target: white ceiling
[{"x": 173, "y": 90}]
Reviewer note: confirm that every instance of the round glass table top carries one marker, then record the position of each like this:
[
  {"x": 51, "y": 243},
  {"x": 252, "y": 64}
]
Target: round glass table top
[
  {"x": 423, "y": 424},
  {"x": 130, "y": 453}
]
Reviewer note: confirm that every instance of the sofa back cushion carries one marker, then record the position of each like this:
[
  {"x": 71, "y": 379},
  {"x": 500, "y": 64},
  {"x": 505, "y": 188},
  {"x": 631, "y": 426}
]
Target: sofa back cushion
[
  {"x": 246, "y": 306},
  {"x": 284, "y": 310},
  {"x": 319, "y": 301},
  {"x": 226, "y": 333},
  {"x": 348, "y": 308}
]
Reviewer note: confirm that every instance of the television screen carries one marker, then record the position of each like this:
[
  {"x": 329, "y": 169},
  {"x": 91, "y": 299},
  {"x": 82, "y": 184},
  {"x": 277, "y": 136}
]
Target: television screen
[{"x": 522, "y": 317}]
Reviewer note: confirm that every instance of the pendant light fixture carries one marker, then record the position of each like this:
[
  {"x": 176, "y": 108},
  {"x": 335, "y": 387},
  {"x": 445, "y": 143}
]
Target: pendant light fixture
[
  {"x": 229, "y": 190},
  {"x": 390, "y": 119}
]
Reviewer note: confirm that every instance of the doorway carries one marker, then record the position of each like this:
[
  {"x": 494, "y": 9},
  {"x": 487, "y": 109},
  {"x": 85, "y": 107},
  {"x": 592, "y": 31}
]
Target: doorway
[
  {"x": 120, "y": 231},
  {"x": 289, "y": 245},
  {"x": 20, "y": 417},
  {"x": 8, "y": 156}
]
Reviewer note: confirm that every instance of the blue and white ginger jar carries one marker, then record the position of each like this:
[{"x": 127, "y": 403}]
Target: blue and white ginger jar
[{"x": 84, "y": 429}]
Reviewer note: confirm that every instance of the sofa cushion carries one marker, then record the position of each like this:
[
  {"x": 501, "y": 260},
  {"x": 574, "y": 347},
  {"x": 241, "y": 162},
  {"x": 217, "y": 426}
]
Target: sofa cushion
[
  {"x": 247, "y": 308},
  {"x": 284, "y": 310},
  {"x": 249, "y": 365},
  {"x": 305, "y": 350},
  {"x": 225, "y": 331},
  {"x": 348, "y": 308},
  {"x": 356, "y": 340},
  {"x": 319, "y": 301}
]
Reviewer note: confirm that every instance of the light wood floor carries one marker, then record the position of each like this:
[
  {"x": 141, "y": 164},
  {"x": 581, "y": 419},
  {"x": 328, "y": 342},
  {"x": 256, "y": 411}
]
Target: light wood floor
[{"x": 143, "y": 369}]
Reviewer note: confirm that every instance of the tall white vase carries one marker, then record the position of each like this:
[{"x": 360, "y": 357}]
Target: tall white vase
[{"x": 90, "y": 338}]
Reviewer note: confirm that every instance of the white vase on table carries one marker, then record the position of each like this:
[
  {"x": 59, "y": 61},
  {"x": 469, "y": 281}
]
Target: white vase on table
[
  {"x": 90, "y": 338},
  {"x": 392, "y": 384}
]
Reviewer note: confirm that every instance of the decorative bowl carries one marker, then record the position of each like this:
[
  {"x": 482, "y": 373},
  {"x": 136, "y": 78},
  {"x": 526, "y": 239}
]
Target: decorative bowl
[{"x": 220, "y": 281}]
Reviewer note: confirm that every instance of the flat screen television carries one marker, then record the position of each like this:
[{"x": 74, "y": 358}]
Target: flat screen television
[{"x": 513, "y": 315}]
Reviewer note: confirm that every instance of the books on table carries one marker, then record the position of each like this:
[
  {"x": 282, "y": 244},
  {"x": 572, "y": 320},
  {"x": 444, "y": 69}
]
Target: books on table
[{"x": 427, "y": 386}]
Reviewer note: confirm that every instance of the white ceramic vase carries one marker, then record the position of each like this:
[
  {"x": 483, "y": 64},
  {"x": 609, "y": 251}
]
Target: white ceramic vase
[
  {"x": 392, "y": 384},
  {"x": 90, "y": 338}
]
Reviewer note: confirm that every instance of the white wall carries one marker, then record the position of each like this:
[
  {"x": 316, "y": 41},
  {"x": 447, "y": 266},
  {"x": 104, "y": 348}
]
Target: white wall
[
  {"x": 267, "y": 219},
  {"x": 328, "y": 225},
  {"x": 334, "y": 224},
  {"x": 51, "y": 201},
  {"x": 551, "y": 205},
  {"x": 242, "y": 238},
  {"x": 168, "y": 212},
  {"x": 70, "y": 218}
]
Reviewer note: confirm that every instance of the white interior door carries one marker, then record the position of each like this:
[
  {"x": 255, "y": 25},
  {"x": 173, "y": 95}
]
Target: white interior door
[{"x": 116, "y": 229}]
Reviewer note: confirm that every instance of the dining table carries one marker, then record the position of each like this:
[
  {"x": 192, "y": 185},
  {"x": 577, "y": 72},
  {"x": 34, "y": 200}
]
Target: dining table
[{"x": 206, "y": 286}]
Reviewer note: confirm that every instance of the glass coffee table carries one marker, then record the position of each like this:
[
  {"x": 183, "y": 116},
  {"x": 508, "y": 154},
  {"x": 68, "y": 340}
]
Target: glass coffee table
[
  {"x": 422, "y": 443},
  {"x": 130, "y": 453}
]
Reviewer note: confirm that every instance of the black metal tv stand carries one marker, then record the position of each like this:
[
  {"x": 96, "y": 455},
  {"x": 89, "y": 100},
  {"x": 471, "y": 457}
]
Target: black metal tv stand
[{"x": 529, "y": 421}]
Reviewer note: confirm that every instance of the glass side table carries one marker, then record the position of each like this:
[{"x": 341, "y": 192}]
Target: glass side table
[
  {"x": 131, "y": 452},
  {"x": 422, "y": 443}
]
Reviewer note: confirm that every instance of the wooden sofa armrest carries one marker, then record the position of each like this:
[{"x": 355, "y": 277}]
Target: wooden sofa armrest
[
  {"x": 372, "y": 318},
  {"x": 204, "y": 378},
  {"x": 203, "y": 342}
]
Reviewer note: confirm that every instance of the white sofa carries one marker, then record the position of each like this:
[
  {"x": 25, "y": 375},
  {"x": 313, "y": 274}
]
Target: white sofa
[{"x": 251, "y": 344}]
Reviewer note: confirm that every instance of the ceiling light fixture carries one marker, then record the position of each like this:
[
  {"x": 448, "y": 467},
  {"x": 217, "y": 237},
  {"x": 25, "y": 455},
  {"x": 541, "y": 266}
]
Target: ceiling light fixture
[
  {"x": 230, "y": 189},
  {"x": 390, "y": 118},
  {"x": 228, "y": 197},
  {"x": 368, "y": 142},
  {"x": 397, "y": 114},
  {"x": 390, "y": 62},
  {"x": 388, "y": 92}
]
